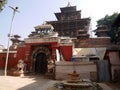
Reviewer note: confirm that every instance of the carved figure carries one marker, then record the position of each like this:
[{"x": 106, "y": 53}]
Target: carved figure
[{"x": 20, "y": 66}]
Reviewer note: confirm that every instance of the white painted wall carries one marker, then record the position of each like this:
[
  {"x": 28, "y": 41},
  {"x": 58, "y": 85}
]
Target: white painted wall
[{"x": 84, "y": 69}]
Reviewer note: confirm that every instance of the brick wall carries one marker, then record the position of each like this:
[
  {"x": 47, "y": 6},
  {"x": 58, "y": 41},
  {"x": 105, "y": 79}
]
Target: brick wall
[{"x": 93, "y": 42}]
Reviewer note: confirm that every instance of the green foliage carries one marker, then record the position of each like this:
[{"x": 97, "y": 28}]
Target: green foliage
[
  {"x": 108, "y": 20},
  {"x": 2, "y": 3}
]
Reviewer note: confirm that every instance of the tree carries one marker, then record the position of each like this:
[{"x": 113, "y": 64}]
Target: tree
[
  {"x": 108, "y": 21},
  {"x": 2, "y": 3}
]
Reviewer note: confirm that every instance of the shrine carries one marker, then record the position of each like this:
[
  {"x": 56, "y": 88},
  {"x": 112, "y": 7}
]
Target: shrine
[
  {"x": 101, "y": 31},
  {"x": 38, "y": 49},
  {"x": 53, "y": 46}
]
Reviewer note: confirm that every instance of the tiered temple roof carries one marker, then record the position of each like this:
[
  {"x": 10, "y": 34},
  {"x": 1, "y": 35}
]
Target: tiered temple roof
[
  {"x": 101, "y": 31},
  {"x": 82, "y": 34},
  {"x": 69, "y": 21}
]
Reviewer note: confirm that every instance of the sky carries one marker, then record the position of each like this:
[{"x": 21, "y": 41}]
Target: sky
[{"x": 33, "y": 13}]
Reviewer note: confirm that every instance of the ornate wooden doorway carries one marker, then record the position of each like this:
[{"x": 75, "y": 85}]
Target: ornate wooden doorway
[
  {"x": 40, "y": 63},
  {"x": 39, "y": 60}
]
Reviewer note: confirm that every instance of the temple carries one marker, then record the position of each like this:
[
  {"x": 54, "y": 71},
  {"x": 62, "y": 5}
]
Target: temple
[
  {"x": 101, "y": 31},
  {"x": 38, "y": 49},
  {"x": 69, "y": 22},
  {"x": 57, "y": 48}
]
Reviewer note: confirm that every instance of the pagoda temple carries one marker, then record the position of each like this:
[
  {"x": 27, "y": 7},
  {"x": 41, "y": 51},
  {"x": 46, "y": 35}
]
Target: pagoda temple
[
  {"x": 101, "y": 31},
  {"x": 69, "y": 22},
  {"x": 15, "y": 42}
]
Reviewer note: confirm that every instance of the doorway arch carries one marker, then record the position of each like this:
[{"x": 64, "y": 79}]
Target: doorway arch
[{"x": 39, "y": 60}]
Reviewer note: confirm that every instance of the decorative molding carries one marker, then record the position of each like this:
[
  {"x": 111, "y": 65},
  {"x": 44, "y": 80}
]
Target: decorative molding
[{"x": 38, "y": 40}]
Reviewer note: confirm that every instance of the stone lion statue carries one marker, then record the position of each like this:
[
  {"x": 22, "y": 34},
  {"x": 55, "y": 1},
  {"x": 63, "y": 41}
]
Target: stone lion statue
[{"x": 20, "y": 65}]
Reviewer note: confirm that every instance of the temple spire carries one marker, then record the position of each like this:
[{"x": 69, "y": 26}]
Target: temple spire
[{"x": 68, "y": 5}]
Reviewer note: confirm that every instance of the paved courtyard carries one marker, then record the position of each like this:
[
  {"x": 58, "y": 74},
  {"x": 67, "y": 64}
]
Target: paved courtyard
[
  {"x": 24, "y": 83},
  {"x": 37, "y": 82}
]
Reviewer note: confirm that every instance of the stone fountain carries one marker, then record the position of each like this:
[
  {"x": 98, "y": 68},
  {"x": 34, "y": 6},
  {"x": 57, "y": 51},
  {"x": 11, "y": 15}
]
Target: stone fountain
[
  {"x": 74, "y": 77},
  {"x": 74, "y": 82}
]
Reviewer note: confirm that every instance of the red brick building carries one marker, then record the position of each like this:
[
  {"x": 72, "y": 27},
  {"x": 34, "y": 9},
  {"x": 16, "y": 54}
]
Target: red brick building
[{"x": 37, "y": 50}]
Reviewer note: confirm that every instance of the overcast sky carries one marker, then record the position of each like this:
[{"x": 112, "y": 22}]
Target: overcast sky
[{"x": 33, "y": 13}]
